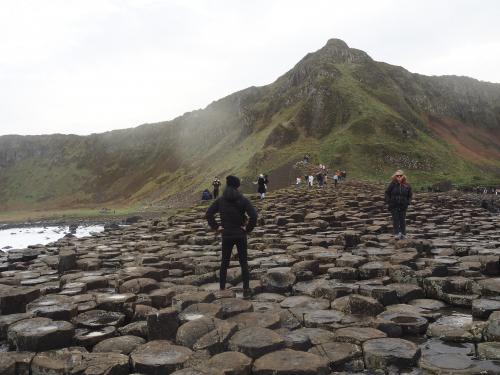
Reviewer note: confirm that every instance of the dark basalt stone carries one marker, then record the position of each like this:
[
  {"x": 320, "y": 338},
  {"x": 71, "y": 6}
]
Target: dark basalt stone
[
  {"x": 39, "y": 334},
  {"x": 98, "y": 319}
]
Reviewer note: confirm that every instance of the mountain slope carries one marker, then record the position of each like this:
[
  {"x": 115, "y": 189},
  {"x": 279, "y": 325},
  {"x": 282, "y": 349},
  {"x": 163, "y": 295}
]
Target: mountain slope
[{"x": 337, "y": 104}]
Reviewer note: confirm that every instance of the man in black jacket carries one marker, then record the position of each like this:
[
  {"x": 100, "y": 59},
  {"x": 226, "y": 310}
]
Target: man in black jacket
[{"x": 234, "y": 227}]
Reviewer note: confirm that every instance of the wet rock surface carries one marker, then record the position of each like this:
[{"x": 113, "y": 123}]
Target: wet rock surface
[{"x": 333, "y": 292}]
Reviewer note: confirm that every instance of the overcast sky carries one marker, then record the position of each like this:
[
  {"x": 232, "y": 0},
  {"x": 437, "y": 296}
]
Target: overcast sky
[{"x": 90, "y": 66}]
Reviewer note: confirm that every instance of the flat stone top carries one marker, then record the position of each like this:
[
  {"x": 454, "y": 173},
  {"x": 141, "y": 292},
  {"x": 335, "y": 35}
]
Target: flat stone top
[
  {"x": 291, "y": 362},
  {"x": 393, "y": 347},
  {"x": 160, "y": 352}
]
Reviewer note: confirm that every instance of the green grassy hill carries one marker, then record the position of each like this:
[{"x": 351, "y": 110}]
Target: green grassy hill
[{"x": 337, "y": 104}]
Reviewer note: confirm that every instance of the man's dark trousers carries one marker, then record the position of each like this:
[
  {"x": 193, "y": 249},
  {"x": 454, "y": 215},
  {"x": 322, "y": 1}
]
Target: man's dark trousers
[{"x": 227, "y": 247}]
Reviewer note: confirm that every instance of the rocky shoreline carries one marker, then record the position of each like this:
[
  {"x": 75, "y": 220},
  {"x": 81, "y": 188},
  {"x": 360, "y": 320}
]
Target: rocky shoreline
[
  {"x": 82, "y": 221},
  {"x": 332, "y": 293}
]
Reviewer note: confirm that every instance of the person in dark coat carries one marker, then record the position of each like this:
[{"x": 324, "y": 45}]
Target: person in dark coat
[
  {"x": 206, "y": 195},
  {"x": 319, "y": 178},
  {"x": 233, "y": 208},
  {"x": 262, "y": 186},
  {"x": 398, "y": 196},
  {"x": 216, "y": 184}
]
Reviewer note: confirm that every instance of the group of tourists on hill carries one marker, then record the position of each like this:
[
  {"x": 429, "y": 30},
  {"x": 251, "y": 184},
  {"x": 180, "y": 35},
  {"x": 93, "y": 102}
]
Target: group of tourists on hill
[
  {"x": 238, "y": 217},
  {"x": 320, "y": 177},
  {"x": 262, "y": 187}
]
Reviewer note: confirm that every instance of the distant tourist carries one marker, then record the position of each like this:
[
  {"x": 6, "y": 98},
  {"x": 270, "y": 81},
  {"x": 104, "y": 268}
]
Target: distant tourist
[
  {"x": 298, "y": 181},
  {"x": 398, "y": 196},
  {"x": 336, "y": 178},
  {"x": 233, "y": 208},
  {"x": 306, "y": 158},
  {"x": 310, "y": 181},
  {"x": 262, "y": 186},
  {"x": 206, "y": 195},
  {"x": 319, "y": 178},
  {"x": 216, "y": 184}
]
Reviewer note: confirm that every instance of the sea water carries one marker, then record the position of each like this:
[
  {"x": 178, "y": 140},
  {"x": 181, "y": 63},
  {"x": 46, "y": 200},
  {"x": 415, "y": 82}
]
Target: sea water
[{"x": 22, "y": 237}]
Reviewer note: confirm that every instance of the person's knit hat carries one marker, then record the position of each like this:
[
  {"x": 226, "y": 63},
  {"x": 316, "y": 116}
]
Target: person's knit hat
[
  {"x": 233, "y": 181},
  {"x": 398, "y": 172}
]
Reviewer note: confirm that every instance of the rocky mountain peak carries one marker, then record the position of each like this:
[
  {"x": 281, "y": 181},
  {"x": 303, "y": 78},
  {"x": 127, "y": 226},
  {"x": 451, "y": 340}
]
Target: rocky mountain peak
[{"x": 339, "y": 53}]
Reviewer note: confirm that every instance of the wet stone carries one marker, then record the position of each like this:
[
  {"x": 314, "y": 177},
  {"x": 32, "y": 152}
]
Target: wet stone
[
  {"x": 269, "y": 297},
  {"x": 69, "y": 361},
  {"x": 183, "y": 300},
  {"x": 305, "y": 301},
  {"x": 7, "y": 365},
  {"x": 40, "y": 334},
  {"x": 297, "y": 340},
  {"x": 448, "y": 358},
  {"x": 358, "y": 305},
  {"x": 135, "y": 329},
  {"x": 340, "y": 355},
  {"x": 234, "y": 363},
  {"x": 22, "y": 361},
  {"x": 123, "y": 344},
  {"x": 385, "y": 352},
  {"x": 159, "y": 357},
  {"x": 489, "y": 350},
  {"x": 330, "y": 289},
  {"x": 410, "y": 323},
  {"x": 93, "y": 282},
  {"x": 54, "y": 307},
  {"x": 492, "y": 331},
  {"x": 322, "y": 318},
  {"x": 490, "y": 287},
  {"x": 357, "y": 335},
  {"x": 317, "y": 335},
  {"x": 7, "y": 320},
  {"x": 190, "y": 332},
  {"x": 427, "y": 304},
  {"x": 14, "y": 299},
  {"x": 278, "y": 280},
  {"x": 233, "y": 306},
  {"x": 98, "y": 319},
  {"x": 343, "y": 273},
  {"x": 162, "y": 297},
  {"x": 372, "y": 270},
  {"x": 141, "y": 285},
  {"x": 384, "y": 294},
  {"x": 256, "y": 341},
  {"x": 163, "y": 324},
  {"x": 217, "y": 340},
  {"x": 449, "y": 333},
  {"x": 290, "y": 362},
  {"x": 88, "y": 338},
  {"x": 482, "y": 308},
  {"x": 200, "y": 310},
  {"x": 195, "y": 371},
  {"x": 255, "y": 319},
  {"x": 114, "y": 302}
]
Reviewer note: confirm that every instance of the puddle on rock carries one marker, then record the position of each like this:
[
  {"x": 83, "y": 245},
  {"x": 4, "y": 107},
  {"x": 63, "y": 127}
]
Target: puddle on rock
[{"x": 455, "y": 318}]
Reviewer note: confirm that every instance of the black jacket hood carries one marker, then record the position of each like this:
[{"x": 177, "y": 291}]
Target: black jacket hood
[{"x": 231, "y": 194}]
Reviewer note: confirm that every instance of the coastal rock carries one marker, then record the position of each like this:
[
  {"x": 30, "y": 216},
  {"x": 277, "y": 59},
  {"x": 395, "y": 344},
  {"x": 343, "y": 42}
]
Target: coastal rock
[
  {"x": 290, "y": 362},
  {"x": 39, "y": 334},
  {"x": 159, "y": 357}
]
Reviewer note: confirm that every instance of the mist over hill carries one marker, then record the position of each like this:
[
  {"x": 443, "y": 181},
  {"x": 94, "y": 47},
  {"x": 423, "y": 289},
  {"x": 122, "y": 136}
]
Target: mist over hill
[{"x": 337, "y": 104}]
